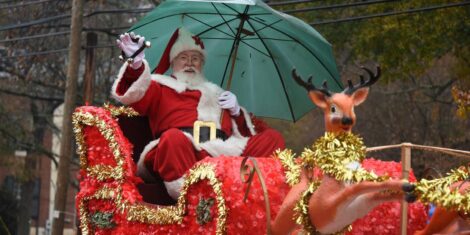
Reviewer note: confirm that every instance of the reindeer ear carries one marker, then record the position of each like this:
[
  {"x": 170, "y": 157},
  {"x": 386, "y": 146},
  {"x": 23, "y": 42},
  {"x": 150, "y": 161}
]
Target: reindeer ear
[
  {"x": 318, "y": 98},
  {"x": 360, "y": 95}
]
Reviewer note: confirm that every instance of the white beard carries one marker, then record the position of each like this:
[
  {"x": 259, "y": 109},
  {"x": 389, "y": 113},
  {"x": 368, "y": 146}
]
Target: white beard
[{"x": 192, "y": 79}]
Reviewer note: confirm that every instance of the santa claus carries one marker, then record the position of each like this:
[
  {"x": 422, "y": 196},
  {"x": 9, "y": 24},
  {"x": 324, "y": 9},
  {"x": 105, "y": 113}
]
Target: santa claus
[{"x": 175, "y": 103}]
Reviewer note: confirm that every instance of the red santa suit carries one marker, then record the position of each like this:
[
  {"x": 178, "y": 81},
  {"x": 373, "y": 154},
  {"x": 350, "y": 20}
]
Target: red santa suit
[{"x": 172, "y": 105}]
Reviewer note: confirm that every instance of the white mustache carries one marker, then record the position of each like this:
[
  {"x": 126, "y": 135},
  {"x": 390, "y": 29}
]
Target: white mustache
[{"x": 186, "y": 68}]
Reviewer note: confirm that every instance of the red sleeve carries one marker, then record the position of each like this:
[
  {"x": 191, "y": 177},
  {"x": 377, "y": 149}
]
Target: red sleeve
[
  {"x": 129, "y": 77},
  {"x": 149, "y": 104}
]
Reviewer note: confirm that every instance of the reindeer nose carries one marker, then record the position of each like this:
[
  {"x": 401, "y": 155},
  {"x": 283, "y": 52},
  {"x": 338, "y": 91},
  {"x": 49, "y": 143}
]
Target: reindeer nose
[{"x": 346, "y": 121}]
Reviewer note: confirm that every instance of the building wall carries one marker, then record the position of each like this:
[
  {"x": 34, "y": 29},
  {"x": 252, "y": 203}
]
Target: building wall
[{"x": 46, "y": 171}]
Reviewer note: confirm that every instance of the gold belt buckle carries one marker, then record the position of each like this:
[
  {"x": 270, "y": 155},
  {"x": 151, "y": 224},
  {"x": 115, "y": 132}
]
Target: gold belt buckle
[{"x": 197, "y": 129}]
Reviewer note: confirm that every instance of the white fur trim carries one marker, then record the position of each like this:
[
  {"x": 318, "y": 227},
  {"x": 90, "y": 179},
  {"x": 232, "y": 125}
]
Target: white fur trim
[
  {"x": 184, "y": 42},
  {"x": 142, "y": 171},
  {"x": 235, "y": 130},
  {"x": 174, "y": 187},
  {"x": 248, "y": 121},
  {"x": 208, "y": 108},
  {"x": 233, "y": 146},
  {"x": 170, "y": 82},
  {"x": 137, "y": 89}
]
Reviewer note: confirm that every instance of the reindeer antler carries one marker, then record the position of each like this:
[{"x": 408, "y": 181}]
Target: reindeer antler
[
  {"x": 372, "y": 79},
  {"x": 309, "y": 85}
]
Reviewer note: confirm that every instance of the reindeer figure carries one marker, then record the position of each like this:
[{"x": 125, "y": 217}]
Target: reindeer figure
[{"x": 335, "y": 205}]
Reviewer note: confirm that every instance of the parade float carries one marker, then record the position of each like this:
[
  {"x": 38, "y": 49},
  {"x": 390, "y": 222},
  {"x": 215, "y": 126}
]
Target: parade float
[
  {"x": 217, "y": 197},
  {"x": 331, "y": 187}
]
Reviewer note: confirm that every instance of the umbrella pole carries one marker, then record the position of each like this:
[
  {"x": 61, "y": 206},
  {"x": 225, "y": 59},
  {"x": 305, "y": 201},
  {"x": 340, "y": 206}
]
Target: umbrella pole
[
  {"x": 243, "y": 18},
  {"x": 232, "y": 68}
]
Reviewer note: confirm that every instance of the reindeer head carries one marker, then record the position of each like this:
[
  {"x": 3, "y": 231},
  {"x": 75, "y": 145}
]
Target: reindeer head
[{"x": 339, "y": 107}]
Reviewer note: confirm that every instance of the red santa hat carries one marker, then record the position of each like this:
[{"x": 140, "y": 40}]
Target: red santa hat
[{"x": 181, "y": 40}]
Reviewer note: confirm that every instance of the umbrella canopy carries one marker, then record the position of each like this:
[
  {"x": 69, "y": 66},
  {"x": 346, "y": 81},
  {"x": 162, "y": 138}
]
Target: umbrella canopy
[{"x": 251, "y": 42}]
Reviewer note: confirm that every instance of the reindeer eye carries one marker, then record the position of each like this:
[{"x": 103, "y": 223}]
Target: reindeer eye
[{"x": 333, "y": 109}]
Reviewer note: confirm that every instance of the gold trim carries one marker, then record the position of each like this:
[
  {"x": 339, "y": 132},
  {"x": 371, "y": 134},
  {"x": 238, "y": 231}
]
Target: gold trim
[
  {"x": 199, "y": 172},
  {"x": 101, "y": 172},
  {"x": 121, "y": 110},
  {"x": 175, "y": 214},
  {"x": 439, "y": 192},
  {"x": 337, "y": 154},
  {"x": 301, "y": 209},
  {"x": 104, "y": 193},
  {"x": 302, "y": 216},
  {"x": 291, "y": 168},
  {"x": 79, "y": 119},
  {"x": 138, "y": 212}
]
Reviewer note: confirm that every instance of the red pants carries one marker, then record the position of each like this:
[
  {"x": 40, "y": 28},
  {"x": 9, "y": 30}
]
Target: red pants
[{"x": 175, "y": 153}]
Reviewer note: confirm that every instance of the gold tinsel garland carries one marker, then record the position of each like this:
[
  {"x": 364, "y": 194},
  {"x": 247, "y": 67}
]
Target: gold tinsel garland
[
  {"x": 175, "y": 214},
  {"x": 137, "y": 212},
  {"x": 301, "y": 216},
  {"x": 205, "y": 171},
  {"x": 121, "y": 110},
  {"x": 84, "y": 118},
  {"x": 291, "y": 168},
  {"x": 340, "y": 156},
  {"x": 332, "y": 153},
  {"x": 104, "y": 193},
  {"x": 337, "y": 155},
  {"x": 439, "y": 192},
  {"x": 101, "y": 172}
]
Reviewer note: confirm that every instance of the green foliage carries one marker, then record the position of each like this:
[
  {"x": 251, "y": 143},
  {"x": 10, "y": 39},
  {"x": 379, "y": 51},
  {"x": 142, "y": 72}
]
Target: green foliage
[
  {"x": 404, "y": 44},
  {"x": 103, "y": 220},
  {"x": 203, "y": 210}
]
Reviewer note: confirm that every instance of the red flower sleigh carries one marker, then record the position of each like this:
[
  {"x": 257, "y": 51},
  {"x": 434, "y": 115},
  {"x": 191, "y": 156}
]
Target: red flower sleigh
[{"x": 113, "y": 200}]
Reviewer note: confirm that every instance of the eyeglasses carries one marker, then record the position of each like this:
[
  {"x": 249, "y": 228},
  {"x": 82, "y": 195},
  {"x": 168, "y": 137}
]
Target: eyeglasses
[{"x": 195, "y": 59}]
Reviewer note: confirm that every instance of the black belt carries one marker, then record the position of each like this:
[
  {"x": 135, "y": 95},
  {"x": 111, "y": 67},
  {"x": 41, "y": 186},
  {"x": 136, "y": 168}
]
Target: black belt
[{"x": 204, "y": 133}]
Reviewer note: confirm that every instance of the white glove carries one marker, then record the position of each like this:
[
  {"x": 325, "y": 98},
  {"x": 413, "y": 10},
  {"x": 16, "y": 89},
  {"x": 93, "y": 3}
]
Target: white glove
[
  {"x": 129, "y": 47},
  {"x": 227, "y": 100}
]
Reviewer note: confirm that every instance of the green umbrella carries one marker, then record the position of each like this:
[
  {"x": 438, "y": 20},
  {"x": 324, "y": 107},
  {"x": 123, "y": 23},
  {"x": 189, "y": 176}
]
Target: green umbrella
[{"x": 265, "y": 43}]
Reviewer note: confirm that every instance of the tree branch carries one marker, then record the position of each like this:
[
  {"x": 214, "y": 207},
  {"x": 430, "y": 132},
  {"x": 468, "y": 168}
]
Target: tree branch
[{"x": 36, "y": 97}]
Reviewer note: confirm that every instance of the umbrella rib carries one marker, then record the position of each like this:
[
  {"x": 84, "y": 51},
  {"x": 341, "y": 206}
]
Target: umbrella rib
[
  {"x": 274, "y": 39},
  {"x": 278, "y": 72},
  {"x": 321, "y": 62},
  {"x": 215, "y": 38},
  {"x": 221, "y": 16},
  {"x": 177, "y": 14},
  {"x": 266, "y": 26},
  {"x": 247, "y": 39},
  {"x": 260, "y": 14},
  {"x": 210, "y": 26},
  {"x": 254, "y": 48},
  {"x": 232, "y": 8}
]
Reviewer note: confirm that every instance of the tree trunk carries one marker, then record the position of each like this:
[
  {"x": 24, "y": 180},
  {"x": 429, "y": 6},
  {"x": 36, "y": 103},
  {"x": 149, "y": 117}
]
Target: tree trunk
[{"x": 69, "y": 104}]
